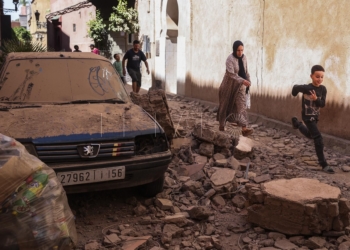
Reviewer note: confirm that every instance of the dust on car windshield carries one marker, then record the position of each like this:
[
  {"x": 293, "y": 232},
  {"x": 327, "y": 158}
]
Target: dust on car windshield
[{"x": 60, "y": 80}]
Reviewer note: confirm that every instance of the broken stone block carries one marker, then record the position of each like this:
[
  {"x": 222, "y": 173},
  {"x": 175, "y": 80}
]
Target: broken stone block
[
  {"x": 163, "y": 204},
  {"x": 206, "y": 149},
  {"x": 276, "y": 236},
  {"x": 199, "y": 213},
  {"x": 297, "y": 206},
  {"x": 111, "y": 239},
  {"x": 178, "y": 219},
  {"x": 262, "y": 178},
  {"x": 218, "y": 156},
  {"x": 193, "y": 186},
  {"x": 140, "y": 210},
  {"x": 244, "y": 148},
  {"x": 222, "y": 176},
  {"x": 221, "y": 163},
  {"x": 171, "y": 231},
  {"x": 238, "y": 201},
  {"x": 233, "y": 163},
  {"x": 219, "y": 201},
  {"x": 93, "y": 245},
  {"x": 210, "y": 193},
  {"x": 133, "y": 243},
  {"x": 285, "y": 244},
  {"x": 315, "y": 242}
]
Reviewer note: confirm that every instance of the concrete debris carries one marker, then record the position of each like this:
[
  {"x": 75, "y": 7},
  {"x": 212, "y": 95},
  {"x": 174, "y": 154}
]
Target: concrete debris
[
  {"x": 266, "y": 188},
  {"x": 297, "y": 206},
  {"x": 93, "y": 245},
  {"x": 206, "y": 149},
  {"x": 156, "y": 104},
  {"x": 164, "y": 204},
  {"x": 244, "y": 148},
  {"x": 199, "y": 213}
]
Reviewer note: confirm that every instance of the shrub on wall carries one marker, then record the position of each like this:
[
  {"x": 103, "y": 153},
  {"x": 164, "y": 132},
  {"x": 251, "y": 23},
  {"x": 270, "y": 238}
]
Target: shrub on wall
[
  {"x": 123, "y": 18},
  {"x": 22, "y": 34},
  {"x": 97, "y": 28}
]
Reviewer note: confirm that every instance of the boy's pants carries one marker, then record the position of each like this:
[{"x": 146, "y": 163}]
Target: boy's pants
[{"x": 311, "y": 131}]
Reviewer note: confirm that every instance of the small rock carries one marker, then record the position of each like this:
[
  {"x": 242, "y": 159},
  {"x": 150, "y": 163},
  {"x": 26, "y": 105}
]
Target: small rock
[
  {"x": 315, "y": 242},
  {"x": 285, "y": 245},
  {"x": 206, "y": 149},
  {"x": 93, "y": 245},
  {"x": 164, "y": 204},
  {"x": 239, "y": 201},
  {"x": 111, "y": 239},
  {"x": 219, "y": 201},
  {"x": 177, "y": 219},
  {"x": 262, "y": 178},
  {"x": 276, "y": 236},
  {"x": 345, "y": 168},
  {"x": 199, "y": 213},
  {"x": 218, "y": 156},
  {"x": 210, "y": 193},
  {"x": 140, "y": 210}
]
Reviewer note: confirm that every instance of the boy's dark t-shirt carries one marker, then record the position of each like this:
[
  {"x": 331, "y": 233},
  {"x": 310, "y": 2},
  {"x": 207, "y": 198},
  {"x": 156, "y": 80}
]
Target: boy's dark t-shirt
[
  {"x": 134, "y": 59},
  {"x": 310, "y": 108}
]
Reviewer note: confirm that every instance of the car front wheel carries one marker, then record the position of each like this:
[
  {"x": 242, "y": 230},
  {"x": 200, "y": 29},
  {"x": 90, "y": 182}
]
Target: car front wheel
[{"x": 153, "y": 188}]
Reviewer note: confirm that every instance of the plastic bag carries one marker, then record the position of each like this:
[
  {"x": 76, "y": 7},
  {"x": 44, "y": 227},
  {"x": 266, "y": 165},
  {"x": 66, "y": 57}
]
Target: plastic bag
[
  {"x": 247, "y": 100},
  {"x": 34, "y": 211}
]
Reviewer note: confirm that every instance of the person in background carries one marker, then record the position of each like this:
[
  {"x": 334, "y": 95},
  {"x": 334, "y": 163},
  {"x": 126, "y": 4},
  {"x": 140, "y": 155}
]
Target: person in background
[
  {"x": 76, "y": 48},
  {"x": 94, "y": 49},
  {"x": 134, "y": 57},
  {"x": 118, "y": 67}
]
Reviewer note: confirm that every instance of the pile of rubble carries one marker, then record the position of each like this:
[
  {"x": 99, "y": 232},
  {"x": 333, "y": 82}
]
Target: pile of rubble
[
  {"x": 225, "y": 191},
  {"x": 155, "y": 103}
]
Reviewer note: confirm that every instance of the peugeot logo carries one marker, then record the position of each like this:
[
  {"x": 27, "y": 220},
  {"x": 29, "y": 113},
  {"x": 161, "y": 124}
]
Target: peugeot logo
[{"x": 88, "y": 150}]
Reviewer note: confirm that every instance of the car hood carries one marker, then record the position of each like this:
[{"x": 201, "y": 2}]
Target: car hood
[{"x": 77, "y": 122}]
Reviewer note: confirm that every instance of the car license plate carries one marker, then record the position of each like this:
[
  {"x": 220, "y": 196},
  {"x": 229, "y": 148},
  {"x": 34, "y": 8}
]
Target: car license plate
[{"x": 91, "y": 175}]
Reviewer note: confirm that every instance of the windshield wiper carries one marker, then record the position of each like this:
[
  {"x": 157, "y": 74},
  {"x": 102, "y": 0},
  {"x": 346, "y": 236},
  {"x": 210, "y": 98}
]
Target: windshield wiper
[
  {"x": 7, "y": 108},
  {"x": 112, "y": 100}
]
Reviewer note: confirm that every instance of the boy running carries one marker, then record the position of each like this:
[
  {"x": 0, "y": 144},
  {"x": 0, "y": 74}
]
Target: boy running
[{"x": 314, "y": 98}]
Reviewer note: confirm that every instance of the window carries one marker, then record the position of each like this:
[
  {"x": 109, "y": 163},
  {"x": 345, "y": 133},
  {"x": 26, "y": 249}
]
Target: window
[
  {"x": 74, "y": 27},
  {"x": 130, "y": 38}
]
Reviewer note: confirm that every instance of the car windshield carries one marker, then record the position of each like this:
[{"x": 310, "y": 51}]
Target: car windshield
[{"x": 61, "y": 80}]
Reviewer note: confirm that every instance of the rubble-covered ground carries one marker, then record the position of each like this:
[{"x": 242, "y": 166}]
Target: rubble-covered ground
[{"x": 204, "y": 202}]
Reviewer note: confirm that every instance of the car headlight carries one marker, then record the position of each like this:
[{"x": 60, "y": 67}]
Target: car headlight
[{"x": 148, "y": 144}]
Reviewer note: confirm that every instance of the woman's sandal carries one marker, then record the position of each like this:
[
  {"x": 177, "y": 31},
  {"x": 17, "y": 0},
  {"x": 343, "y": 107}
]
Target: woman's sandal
[{"x": 328, "y": 170}]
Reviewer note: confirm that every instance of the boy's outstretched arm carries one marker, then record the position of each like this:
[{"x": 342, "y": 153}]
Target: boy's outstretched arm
[
  {"x": 305, "y": 89},
  {"x": 321, "y": 101}
]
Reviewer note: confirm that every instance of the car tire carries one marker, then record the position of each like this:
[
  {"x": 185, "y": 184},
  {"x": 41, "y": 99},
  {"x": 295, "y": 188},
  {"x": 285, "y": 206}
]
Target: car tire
[{"x": 153, "y": 188}]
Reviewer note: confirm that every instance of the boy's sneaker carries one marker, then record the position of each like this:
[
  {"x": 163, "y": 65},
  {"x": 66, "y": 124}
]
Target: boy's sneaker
[
  {"x": 295, "y": 123},
  {"x": 328, "y": 170}
]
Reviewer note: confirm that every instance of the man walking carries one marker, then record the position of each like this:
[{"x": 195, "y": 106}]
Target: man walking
[{"x": 134, "y": 57}]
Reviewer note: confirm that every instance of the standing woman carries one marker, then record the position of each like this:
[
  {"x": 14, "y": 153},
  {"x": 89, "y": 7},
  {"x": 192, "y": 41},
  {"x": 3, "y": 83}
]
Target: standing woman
[{"x": 233, "y": 89}]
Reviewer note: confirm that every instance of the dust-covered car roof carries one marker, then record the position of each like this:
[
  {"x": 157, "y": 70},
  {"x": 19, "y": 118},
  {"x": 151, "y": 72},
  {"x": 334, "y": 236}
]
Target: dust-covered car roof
[{"x": 54, "y": 55}]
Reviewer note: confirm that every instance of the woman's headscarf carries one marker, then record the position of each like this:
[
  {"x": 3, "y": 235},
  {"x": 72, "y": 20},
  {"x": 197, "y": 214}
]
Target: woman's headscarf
[{"x": 241, "y": 71}]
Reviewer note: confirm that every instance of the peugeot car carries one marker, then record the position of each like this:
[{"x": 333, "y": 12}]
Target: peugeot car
[{"x": 71, "y": 110}]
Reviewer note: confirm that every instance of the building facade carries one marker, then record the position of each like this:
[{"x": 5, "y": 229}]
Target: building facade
[
  {"x": 37, "y": 21},
  {"x": 68, "y": 25},
  {"x": 190, "y": 41}
]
